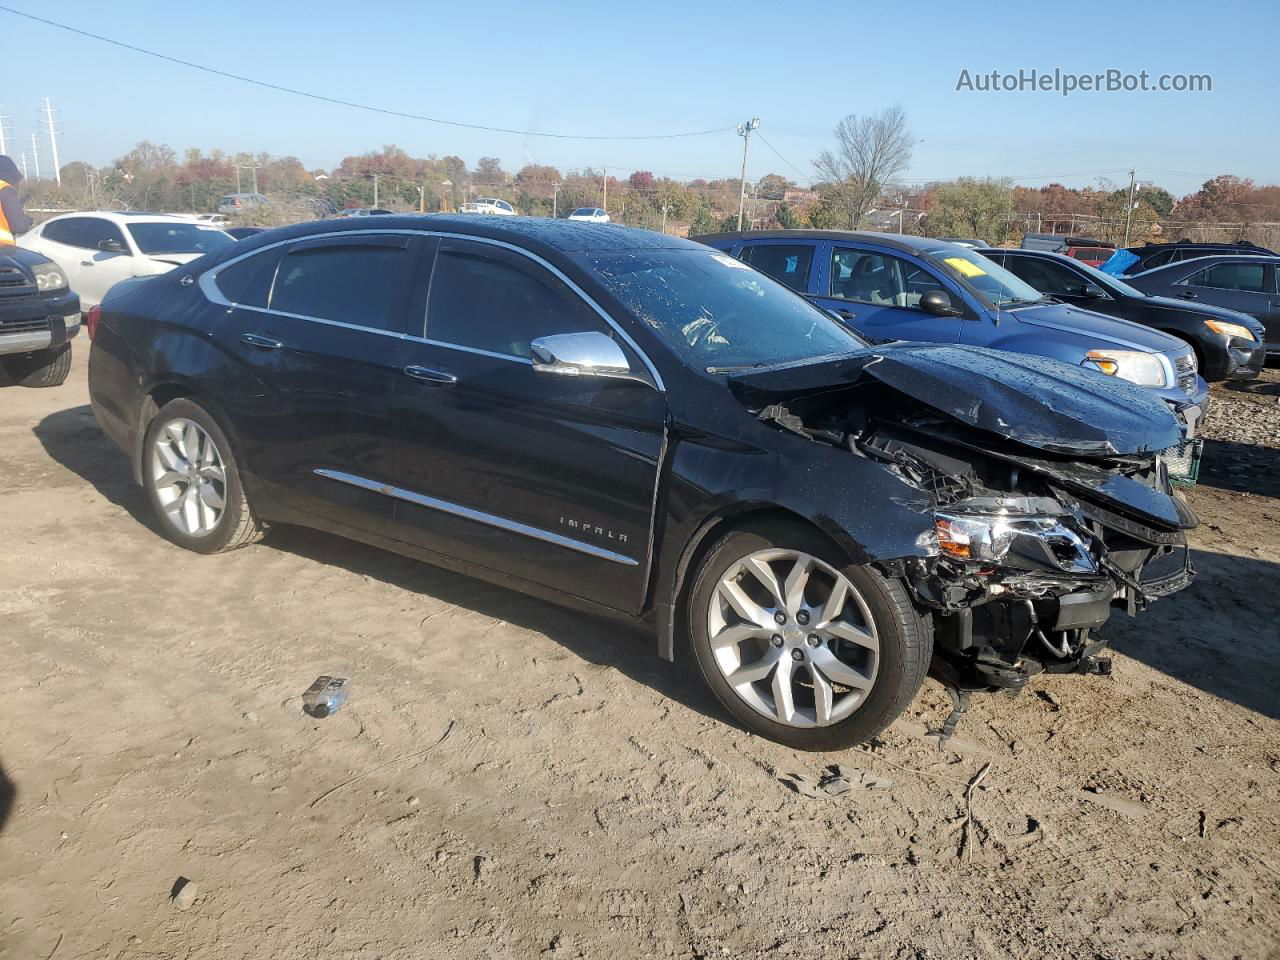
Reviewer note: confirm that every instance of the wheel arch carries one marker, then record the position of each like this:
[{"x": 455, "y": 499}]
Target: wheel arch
[
  {"x": 673, "y": 584},
  {"x": 153, "y": 399}
]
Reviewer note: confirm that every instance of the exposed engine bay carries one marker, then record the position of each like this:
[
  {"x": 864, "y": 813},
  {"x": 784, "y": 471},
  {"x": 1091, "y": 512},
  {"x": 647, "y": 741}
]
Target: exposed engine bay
[{"x": 1035, "y": 545}]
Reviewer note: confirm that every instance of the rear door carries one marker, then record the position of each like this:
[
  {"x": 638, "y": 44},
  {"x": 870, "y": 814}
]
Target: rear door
[
  {"x": 336, "y": 317},
  {"x": 1272, "y": 320},
  {"x": 878, "y": 294},
  {"x": 1244, "y": 285},
  {"x": 550, "y": 479}
]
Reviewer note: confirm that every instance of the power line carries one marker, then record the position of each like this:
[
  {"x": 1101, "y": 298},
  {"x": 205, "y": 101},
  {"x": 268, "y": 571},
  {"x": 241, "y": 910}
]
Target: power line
[
  {"x": 348, "y": 103},
  {"x": 781, "y": 157}
]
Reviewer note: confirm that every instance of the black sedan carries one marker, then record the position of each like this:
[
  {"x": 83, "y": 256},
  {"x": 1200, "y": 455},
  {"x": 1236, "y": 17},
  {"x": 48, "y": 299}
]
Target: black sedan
[
  {"x": 1240, "y": 282},
  {"x": 638, "y": 425},
  {"x": 1229, "y": 345}
]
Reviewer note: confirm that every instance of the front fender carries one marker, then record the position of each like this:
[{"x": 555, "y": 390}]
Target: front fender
[{"x": 868, "y": 510}]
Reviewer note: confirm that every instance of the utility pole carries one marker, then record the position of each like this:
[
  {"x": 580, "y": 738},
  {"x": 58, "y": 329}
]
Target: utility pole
[
  {"x": 665, "y": 208},
  {"x": 53, "y": 140},
  {"x": 1128, "y": 214},
  {"x": 23, "y": 164},
  {"x": 35, "y": 155},
  {"x": 555, "y": 201},
  {"x": 4, "y": 139},
  {"x": 744, "y": 131},
  {"x": 604, "y": 204},
  {"x": 375, "y": 187},
  {"x": 246, "y": 166},
  {"x": 902, "y": 214}
]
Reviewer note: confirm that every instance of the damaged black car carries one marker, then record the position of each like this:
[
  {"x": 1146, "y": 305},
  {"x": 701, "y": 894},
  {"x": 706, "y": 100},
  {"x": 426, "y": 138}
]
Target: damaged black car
[{"x": 636, "y": 425}]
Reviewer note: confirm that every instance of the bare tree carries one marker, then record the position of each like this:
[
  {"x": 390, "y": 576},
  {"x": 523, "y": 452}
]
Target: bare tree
[{"x": 870, "y": 151}]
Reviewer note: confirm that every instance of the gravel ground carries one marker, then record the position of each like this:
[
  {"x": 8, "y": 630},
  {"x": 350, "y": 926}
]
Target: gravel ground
[
  {"x": 512, "y": 780},
  {"x": 1242, "y": 435}
]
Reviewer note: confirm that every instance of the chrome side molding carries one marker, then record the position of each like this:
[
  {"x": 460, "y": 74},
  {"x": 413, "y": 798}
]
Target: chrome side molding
[{"x": 479, "y": 516}]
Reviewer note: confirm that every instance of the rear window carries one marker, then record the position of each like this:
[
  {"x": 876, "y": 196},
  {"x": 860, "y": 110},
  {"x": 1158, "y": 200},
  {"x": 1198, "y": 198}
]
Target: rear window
[
  {"x": 357, "y": 284},
  {"x": 786, "y": 263}
]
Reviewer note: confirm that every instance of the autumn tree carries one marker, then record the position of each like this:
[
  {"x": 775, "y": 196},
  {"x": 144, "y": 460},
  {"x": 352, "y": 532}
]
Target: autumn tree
[{"x": 971, "y": 207}]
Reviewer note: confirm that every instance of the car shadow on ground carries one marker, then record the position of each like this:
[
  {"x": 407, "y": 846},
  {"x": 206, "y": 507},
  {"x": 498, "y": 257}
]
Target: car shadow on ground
[
  {"x": 8, "y": 792},
  {"x": 1243, "y": 467},
  {"x": 72, "y": 438},
  {"x": 1220, "y": 635}
]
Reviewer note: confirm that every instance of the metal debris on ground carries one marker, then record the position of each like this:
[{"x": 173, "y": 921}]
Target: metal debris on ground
[{"x": 836, "y": 781}]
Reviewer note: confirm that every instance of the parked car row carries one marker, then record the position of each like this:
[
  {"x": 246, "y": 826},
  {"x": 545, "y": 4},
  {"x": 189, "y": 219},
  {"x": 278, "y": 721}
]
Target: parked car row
[{"x": 650, "y": 428}]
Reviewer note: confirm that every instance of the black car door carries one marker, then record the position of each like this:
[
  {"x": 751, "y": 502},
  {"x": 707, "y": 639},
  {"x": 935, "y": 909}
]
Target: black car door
[
  {"x": 336, "y": 318},
  {"x": 1272, "y": 320},
  {"x": 544, "y": 477}
]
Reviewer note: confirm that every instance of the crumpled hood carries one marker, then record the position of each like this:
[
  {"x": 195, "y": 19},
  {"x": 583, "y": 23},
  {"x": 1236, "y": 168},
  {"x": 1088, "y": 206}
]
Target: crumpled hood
[
  {"x": 1095, "y": 327},
  {"x": 1043, "y": 403}
]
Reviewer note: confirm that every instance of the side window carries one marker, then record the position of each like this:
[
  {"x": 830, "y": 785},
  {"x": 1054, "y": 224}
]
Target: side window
[
  {"x": 1158, "y": 259},
  {"x": 64, "y": 231},
  {"x": 95, "y": 230},
  {"x": 360, "y": 283},
  {"x": 786, "y": 263},
  {"x": 1247, "y": 277},
  {"x": 249, "y": 282},
  {"x": 879, "y": 279},
  {"x": 491, "y": 300},
  {"x": 1045, "y": 276}
]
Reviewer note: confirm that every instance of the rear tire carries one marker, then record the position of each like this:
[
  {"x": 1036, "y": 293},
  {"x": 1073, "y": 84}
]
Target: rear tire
[
  {"x": 841, "y": 650},
  {"x": 193, "y": 481},
  {"x": 44, "y": 368}
]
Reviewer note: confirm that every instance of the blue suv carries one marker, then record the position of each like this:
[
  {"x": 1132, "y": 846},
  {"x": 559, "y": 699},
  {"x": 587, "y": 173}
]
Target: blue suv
[{"x": 894, "y": 287}]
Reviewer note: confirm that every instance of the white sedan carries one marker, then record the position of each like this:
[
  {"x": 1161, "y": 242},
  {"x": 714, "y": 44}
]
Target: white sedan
[
  {"x": 98, "y": 250},
  {"x": 489, "y": 205},
  {"x": 589, "y": 215}
]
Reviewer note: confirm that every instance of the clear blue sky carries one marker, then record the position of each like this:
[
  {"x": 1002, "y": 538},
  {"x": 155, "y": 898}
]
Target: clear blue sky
[{"x": 636, "y": 68}]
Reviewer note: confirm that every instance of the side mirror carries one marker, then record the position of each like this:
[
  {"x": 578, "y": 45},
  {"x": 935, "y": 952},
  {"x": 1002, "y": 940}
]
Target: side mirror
[
  {"x": 589, "y": 354},
  {"x": 111, "y": 246},
  {"x": 938, "y": 302},
  {"x": 1094, "y": 292}
]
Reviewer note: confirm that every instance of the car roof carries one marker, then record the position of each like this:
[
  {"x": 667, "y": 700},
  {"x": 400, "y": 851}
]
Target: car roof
[
  {"x": 127, "y": 216},
  {"x": 1242, "y": 246},
  {"x": 1210, "y": 260},
  {"x": 538, "y": 234},
  {"x": 899, "y": 241}
]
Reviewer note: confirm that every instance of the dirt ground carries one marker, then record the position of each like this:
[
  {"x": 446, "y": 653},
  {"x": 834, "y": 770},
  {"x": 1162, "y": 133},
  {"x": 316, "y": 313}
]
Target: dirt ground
[{"x": 512, "y": 780}]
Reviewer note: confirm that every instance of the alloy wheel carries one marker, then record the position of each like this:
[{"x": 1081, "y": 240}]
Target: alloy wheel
[
  {"x": 793, "y": 637},
  {"x": 189, "y": 477}
]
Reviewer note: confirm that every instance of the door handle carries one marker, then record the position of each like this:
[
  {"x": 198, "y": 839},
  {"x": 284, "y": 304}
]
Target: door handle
[
  {"x": 847, "y": 314},
  {"x": 86, "y": 263},
  {"x": 1188, "y": 295},
  {"x": 427, "y": 375},
  {"x": 266, "y": 343}
]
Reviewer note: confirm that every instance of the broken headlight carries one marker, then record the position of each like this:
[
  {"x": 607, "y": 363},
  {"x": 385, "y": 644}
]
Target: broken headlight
[{"x": 1035, "y": 541}]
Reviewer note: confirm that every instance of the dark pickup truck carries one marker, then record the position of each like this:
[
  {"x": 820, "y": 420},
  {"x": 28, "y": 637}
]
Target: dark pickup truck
[{"x": 39, "y": 315}]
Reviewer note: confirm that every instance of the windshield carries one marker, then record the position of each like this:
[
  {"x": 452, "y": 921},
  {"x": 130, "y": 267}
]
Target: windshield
[
  {"x": 998, "y": 286},
  {"x": 583, "y": 212},
  {"x": 717, "y": 313},
  {"x": 159, "y": 238}
]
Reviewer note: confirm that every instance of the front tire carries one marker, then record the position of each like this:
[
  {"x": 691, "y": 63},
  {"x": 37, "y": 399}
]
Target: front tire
[
  {"x": 44, "y": 368},
  {"x": 193, "y": 481},
  {"x": 801, "y": 646}
]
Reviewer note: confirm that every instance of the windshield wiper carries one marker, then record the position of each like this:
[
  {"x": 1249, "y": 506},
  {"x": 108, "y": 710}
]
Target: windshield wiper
[{"x": 737, "y": 369}]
